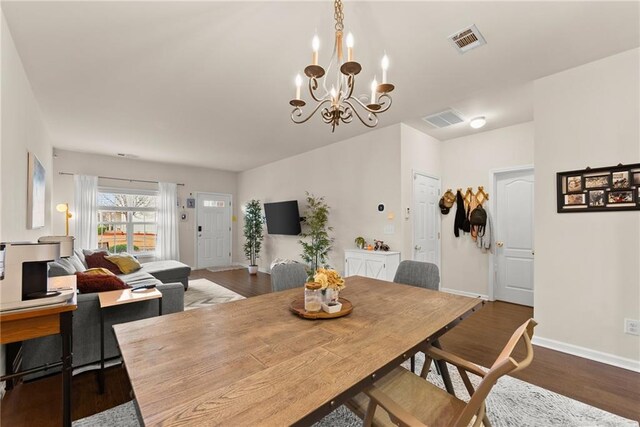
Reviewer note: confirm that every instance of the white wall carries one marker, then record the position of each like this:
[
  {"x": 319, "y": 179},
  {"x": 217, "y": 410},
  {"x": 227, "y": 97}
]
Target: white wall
[
  {"x": 354, "y": 175},
  {"x": 23, "y": 130},
  {"x": 419, "y": 153},
  {"x": 587, "y": 276},
  {"x": 468, "y": 162},
  {"x": 195, "y": 180}
]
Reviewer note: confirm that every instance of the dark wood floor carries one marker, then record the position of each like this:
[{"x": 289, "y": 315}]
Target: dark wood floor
[{"x": 479, "y": 339}]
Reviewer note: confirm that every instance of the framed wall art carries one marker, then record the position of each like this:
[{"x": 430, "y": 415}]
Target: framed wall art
[
  {"x": 613, "y": 188},
  {"x": 36, "y": 193}
]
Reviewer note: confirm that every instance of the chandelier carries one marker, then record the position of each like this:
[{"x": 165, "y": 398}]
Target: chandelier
[{"x": 333, "y": 95}]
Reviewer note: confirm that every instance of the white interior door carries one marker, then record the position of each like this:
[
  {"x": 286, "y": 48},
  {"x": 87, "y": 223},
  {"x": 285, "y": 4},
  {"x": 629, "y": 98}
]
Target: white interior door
[
  {"x": 426, "y": 219},
  {"x": 213, "y": 229},
  {"x": 514, "y": 237}
]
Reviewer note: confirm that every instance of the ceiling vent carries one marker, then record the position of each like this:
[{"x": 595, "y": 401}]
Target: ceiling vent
[
  {"x": 467, "y": 39},
  {"x": 444, "y": 118}
]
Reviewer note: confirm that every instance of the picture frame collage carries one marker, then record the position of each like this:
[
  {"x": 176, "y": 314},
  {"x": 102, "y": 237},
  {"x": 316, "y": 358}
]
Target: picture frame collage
[{"x": 613, "y": 188}]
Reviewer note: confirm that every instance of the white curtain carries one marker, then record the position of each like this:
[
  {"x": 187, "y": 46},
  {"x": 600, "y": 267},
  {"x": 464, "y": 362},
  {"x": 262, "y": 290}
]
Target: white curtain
[
  {"x": 86, "y": 211},
  {"x": 167, "y": 239}
]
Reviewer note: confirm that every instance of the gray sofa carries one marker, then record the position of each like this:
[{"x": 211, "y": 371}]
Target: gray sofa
[{"x": 170, "y": 278}]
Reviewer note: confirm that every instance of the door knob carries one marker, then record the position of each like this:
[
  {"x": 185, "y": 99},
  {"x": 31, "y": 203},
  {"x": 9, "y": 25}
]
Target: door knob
[
  {"x": 499, "y": 244},
  {"x": 417, "y": 248}
]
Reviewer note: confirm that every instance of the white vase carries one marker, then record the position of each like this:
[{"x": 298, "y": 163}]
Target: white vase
[{"x": 253, "y": 269}]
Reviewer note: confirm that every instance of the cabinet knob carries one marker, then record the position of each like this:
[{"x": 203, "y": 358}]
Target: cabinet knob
[
  {"x": 417, "y": 248},
  {"x": 499, "y": 244}
]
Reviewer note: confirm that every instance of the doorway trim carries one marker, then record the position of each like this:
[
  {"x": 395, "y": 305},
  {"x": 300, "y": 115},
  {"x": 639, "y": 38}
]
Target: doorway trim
[
  {"x": 415, "y": 172},
  {"x": 195, "y": 227},
  {"x": 493, "y": 175}
]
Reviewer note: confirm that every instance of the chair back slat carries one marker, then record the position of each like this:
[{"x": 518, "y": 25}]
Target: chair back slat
[{"x": 503, "y": 365}]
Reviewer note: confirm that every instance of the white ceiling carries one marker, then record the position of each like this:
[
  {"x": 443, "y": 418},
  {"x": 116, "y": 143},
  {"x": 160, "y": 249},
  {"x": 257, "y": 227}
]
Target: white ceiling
[{"x": 208, "y": 83}]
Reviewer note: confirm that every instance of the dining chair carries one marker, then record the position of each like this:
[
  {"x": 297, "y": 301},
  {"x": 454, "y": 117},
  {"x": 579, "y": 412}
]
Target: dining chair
[
  {"x": 424, "y": 275},
  {"x": 287, "y": 276},
  {"x": 405, "y": 399}
]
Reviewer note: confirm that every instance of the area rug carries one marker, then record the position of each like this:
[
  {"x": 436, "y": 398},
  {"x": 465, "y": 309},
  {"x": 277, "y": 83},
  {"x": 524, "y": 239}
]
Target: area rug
[
  {"x": 511, "y": 403},
  {"x": 226, "y": 268},
  {"x": 203, "y": 293}
]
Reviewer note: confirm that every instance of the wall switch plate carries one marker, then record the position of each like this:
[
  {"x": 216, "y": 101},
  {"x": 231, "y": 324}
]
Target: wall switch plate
[
  {"x": 632, "y": 327},
  {"x": 389, "y": 229}
]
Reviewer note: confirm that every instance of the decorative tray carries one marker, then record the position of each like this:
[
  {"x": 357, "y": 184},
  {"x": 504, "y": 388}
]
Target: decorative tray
[{"x": 297, "y": 307}]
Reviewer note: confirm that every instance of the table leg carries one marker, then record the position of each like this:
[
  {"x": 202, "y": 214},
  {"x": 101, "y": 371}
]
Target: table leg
[
  {"x": 101, "y": 372},
  {"x": 160, "y": 306},
  {"x": 66, "y": 330},
  {"x": 444, "y": 371}
]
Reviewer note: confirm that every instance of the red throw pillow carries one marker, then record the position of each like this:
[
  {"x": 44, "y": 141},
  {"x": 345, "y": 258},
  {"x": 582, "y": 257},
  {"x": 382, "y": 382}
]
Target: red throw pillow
[
  {"x": 98, "y": 260},
  {"x": 90, "y": 283}
]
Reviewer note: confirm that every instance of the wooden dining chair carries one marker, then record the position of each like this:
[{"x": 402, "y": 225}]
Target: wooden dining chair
[
  {"x": 288, "y": 276},
  {"x": 405, "y": 399}
]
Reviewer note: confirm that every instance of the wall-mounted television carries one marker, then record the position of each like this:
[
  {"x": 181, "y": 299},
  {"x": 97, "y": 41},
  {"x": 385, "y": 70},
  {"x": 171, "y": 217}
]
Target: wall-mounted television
[{"x": 283, "y": 218}]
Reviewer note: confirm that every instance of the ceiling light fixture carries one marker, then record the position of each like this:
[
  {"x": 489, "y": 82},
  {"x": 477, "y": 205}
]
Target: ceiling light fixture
[
  {"x": 335, "y": 99},
  {"x": 478, "y": 122}
]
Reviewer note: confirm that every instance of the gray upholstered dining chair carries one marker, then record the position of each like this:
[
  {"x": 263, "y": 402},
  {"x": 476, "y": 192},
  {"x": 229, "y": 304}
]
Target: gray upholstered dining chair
[
  {"x": 417, "y": 273},
  {"x": 287, "y": 276},
  {"x": 423, "y": 275}
]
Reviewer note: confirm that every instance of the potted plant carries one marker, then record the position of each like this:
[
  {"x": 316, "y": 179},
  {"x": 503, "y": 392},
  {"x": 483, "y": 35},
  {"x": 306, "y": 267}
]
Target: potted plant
[
  {"x": 360, "y": 242},
  {"x": 316, "y": 250},
  {"x": 253, "y": 233}
]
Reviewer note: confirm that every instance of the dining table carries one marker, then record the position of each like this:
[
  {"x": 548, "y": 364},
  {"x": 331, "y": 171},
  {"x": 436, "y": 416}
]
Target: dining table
[{"x": 254, "y": 362}]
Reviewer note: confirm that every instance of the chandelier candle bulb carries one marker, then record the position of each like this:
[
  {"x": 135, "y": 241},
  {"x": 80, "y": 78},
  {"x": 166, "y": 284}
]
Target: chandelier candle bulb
[
  {"x": 315, "y": 44},
  {"x": 385, "y": 67},
  {"x": 349, "y": 47},
  {"x": 298, "y": 85}
]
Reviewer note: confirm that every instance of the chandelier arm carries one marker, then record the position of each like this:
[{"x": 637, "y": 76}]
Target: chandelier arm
[
  {"x": 385, "y": 105},
  {"x": 313, "y": 85},
  {"x": 372, "y": 119},
  {"x": 350, "y": 85},
  {"x": 297, "y": 112}
]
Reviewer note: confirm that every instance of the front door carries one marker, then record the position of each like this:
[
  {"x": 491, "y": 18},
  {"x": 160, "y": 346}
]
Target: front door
[
  {"x": 426, "y": 219},
  {"x": 213, "y": 229},
  {"x": 514, "y": 237}
]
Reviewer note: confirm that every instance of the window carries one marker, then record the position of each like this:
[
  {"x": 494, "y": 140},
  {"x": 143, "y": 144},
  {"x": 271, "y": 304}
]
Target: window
[{"x": 127, "y": 220}]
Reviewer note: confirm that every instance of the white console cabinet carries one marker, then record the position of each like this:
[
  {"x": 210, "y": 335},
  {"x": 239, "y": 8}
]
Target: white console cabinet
[{"x": 375, "y": 264}]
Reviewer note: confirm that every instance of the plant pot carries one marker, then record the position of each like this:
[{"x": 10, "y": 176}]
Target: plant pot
[{"x": 253, "y": 269}]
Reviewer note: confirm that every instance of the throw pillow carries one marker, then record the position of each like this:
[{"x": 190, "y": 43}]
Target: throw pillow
[
  {"x": 56, "y": 269},
  {"x": 79, "y": 266},
  {"x": 98, "y": 272},
  {"x": 68, "y": 265},
  {"x": 98, "y": 259},
  {"x": 88, "y": 283},
  {"x": 126, "y": 262},
  {"x": 80, "y": 256}
]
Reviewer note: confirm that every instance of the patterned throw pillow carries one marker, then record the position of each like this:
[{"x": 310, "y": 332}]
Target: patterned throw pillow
[
  {"x": 97, "y": 259},
  {"x": 88, "y": 283},
  {"x": 126, "y": 262}
]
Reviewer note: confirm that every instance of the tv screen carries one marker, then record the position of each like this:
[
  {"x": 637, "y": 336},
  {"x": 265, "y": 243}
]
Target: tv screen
[{"x": 283, "y": 218}]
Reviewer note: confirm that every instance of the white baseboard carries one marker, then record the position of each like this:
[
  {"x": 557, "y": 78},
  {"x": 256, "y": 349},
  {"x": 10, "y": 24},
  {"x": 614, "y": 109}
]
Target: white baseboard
[
  {"x": 465, "y": 294},
  {"x": 598, "y": 356}
]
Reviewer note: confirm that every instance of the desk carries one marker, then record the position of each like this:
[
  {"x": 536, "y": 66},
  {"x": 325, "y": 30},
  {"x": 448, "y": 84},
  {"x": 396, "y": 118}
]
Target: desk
[
  {"x": 40, "y": 322},
  {"x": 252, "y": 362}
]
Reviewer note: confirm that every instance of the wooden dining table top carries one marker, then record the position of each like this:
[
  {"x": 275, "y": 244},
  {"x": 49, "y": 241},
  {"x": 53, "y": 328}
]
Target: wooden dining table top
[{"x": 253, "y": 362}]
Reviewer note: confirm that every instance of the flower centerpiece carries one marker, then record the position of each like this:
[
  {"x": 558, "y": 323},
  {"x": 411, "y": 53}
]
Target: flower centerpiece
[{"x": 331, "y": 283}]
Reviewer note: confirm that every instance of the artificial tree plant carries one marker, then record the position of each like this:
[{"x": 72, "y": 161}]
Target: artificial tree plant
[
  {"x": 253, "y": 233},
  {"x": 316, "y": 229}
]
